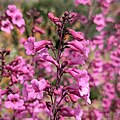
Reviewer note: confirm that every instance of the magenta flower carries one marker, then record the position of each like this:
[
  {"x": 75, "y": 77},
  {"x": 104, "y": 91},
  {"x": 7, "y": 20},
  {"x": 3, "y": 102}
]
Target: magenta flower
[
  {"x": 18, "y": 19},
  {"x": 41, "y": 84},
  {"x": 32, "y": 47},
  {"x": 6, "y": 26},
  {"x": 54, "y": 19},
  {"x": 11, "y": 10},
  {"x": 98, "y": 42},
  {"x": 22, "y": 29},
  {"x": 73, "y": 97},
  {"x": 41, "y": 44},
  {"x": 99, "y": 20},
  {"x": 82, "y": 78},
  {"x": 115, "y": 57},
  {"x": 14, "y": 101},
  {"x": 29, "y": 46},
  {"x": 35, "y": 89},
  {"x": 81, "y": 92},
  {"x": 50, "y": 59},
  {"x": 80, "y": 46},
  {"x": 68, "y": 112},
  {"x": 44, "y": 55},
  {"x": 39, "y": 30},
  {"x": 106, "y": 103},
  {"x": 72, "y": 57},
  {"x": 78, "y": 112},
  {"x": 76, "y": 35},
  {"x": 84, "y": 2}
]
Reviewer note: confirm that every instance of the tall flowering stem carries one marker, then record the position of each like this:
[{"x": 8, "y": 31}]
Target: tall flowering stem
[{"x": 62, "y": 31}]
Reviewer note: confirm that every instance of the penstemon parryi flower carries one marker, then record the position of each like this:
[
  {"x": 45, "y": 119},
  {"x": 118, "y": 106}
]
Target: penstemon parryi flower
[{"x": 75, "y": 77}]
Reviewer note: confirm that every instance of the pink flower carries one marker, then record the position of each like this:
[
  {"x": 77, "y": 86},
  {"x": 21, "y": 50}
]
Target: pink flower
[
  {"x": 44, "y": 55},
  {"x": 22, "y": 40},
  {"x": 105, "y": 5},
  {"x": 41, "y": 44},
  {"x": 98, "y": 114},
  {"x": 98, "y": 42},
  {"x": 35, "y": 89},
  {"x": 18, "y": 19},
  {"x": 11, "y": 10},
  {"x": 72, "y": 57},
  {"x": 22, "y": 29},
  {"x": 74, "y": 98},
  {"x": 106, "y": 103},
  {"x": 68, "y": 112},
  {"x": 79, "y": 17},
  {"x": 84, "y": 2},
  {"x": 29, "y": 46},
  {"x": 80, "y": 46},
  {"x": 14, "y": 101},
  {"x": 50, "y": 59},
  {"x": 54, "y": 19},
  {"x": 39, "y": 30},
  {"x": 78, "y": 112},
  {"x": 82, "y": 79},
  {"x": 6, "y": 26},
  {"x": 76, "y": 35},
  {"x": 99, "y": 20},
  {"x": 41, "y": 84},
  {"x": 32, "y": 47},
  {"x": 115, "y": 57}
]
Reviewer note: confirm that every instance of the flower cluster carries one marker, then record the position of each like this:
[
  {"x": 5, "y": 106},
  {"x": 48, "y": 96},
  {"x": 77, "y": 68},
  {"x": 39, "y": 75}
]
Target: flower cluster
[
  {"x": 13, "y": 17},
  {"x": 28, "y": 90},
  {"x": 74, "y": 74}
]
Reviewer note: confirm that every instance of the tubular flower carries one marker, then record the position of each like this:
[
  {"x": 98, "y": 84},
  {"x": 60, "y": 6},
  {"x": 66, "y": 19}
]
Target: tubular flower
[
  {"x": 82, "y": 79},
  {"x": 76, "y": 35},
  {"x": 32, "y": 47},
  {"x": 80, "y": 46}
]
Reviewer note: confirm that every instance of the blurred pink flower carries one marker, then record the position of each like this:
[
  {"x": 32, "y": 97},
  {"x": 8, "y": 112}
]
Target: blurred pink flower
[
  {"x": 32, "y": 47},
  {"x": 18, "y": 19},
  {"x": 54, "y": 19},
  {"x": 14, "y": 101},
  {"x": 11, "y": 9},
  {"x": 78, "y": 112},
  {"x": 39, "y": 30},
  {"x": 34, "y": 90},
  {"x": 29, "y": 46},
  {"x": 84, "y": 2},
  {"x": 99, "y": 20},
  {"x": 6, "y": 26},
  {"x": 37, "y": 88},
  {"x": 76, "y": 35},
  {"x": 44, "y": 55},
  {"x": 82, "y": 79},
  {"x": 80, "y": 46}
]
